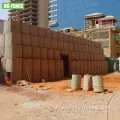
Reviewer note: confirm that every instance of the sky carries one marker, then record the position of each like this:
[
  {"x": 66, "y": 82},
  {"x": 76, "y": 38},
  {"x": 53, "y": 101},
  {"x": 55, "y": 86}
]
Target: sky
[{"x": 3, "y": 13}]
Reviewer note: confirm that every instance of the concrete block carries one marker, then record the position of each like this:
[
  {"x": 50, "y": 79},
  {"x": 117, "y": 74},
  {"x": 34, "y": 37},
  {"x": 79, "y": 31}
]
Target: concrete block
[
  {"x": 85, "y": 42},
  {"x": 41, "y": 32},
  {"x": 65, "y": 44},
  {"x": 75, "y": 39},
  {"x": 85, "y": 67},
  {"x": 89, "y": 49},
  {"x": 65, "y": 37},
  {"x": 88, "y": 67},
  {"x": 34, "y": 41},
  {"x": 60, "y": 36},
  {"x": 79, "y": 40},
  {"x": 50, "y": 54},
  {"x": 83, "y": 48},
  {"x": 57, "y": 65},
  {"x": 41, "y": 42},
  {"x": 44, "y": 64},
  {"x": 58, "y": 75},
  {"x": 64, "y": 52},
  {"x": 44, "y": 75},
  {"x": 35, "y": 53},
  {"x": 33, "y": 30},
  {"x": 51, "y": 75},
  {"x": 60, "y": 45},
  {"x": 54, "y": 44},
  {"x": 79, "y": 48},
  {"x": 57, "y": 54},
  {"x": 44, "y": 69},
  {"x": 70, "y": 38},
  {"x": 26, "y": 52},
  {"x": 92, "y": 50},
  {"x": 51, "y": 70},
  {"x": 77, "y": 55},
  {"x": 86, "y": 49},
  {"x": 77, "y": 67},
  {"x": 25, "y": 40},
  {"x": 48, "y": 33},
  {"x": 70, "y": 46},
  {"x": 88, "y": 56},
  {"x": 81, "y": 56},
  {"x": 54, "y": 35},
  {"x": 27, "y": 70},
  {"x": 75, "y": 47},
  {"x": 25, "y": 28},
  {"x": 92, "y": 44},
  {"x": 85, "y": 56},
  {"x": 43, "y": 53},
  {"x": 73, "y": 56},
  {"x": 36, "y": 70},
  {"x": 51, "y": 65},
  {"x": 58, "y": 72},
  {"x": 13, "y": 51},
  {"x": 12, "y": 38},
  {"x": 92, "y": 57},
  {"x": 74, "y": 67},
  {"x": 11, "y": 26},
  {"x": 48, "y": 43},
  {"x": 95, "y": 52},
  {"x": 81, "y": 67}
]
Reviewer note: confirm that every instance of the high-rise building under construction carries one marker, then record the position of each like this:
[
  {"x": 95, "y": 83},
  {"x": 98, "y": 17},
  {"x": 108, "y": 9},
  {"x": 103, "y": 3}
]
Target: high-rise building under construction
[{"x": 35, "y": 12}]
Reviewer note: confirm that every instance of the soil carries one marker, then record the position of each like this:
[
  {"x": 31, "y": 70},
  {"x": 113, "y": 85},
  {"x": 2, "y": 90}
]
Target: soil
[{"x": 56, "y": 101}]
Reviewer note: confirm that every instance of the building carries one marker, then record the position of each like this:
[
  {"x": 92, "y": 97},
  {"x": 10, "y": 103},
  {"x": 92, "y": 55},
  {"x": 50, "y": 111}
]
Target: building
[
  {"x": 71, "y": 13},
  {"x": 35, "y": 12},
  {"x": 99, "y": 20}
]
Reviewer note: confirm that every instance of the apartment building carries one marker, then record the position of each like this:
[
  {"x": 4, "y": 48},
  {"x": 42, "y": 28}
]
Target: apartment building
[{"x": 35, "y": 12}]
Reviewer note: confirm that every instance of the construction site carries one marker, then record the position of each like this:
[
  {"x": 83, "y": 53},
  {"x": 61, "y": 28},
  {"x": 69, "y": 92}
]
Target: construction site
[
  {"x": 55, "y": 73},
  {"x": 51, "y": 72}
]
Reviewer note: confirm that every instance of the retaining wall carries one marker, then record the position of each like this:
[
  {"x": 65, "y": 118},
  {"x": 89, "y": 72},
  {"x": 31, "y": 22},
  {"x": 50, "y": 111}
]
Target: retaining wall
[{"x": 38, "y": 53}]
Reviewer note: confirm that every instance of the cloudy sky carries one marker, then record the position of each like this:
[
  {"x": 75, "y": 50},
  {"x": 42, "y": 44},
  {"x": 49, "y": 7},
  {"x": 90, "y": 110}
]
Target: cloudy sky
[{"x": 3, "y": 13}]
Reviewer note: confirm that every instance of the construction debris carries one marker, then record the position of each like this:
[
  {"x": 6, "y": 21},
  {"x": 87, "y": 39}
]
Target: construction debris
[{"x": 22, "y": 83}]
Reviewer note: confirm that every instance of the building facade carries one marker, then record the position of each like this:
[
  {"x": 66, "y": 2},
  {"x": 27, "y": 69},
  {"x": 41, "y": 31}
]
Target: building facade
[
  {"x": 71, "y": 13},
  {"x": 35, "y": 12},
  {"x": 99, "y": 20}
]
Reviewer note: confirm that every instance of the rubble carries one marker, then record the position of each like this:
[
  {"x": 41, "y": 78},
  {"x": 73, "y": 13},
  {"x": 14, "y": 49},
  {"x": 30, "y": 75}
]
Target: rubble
[{"x": 22, "y": 83}]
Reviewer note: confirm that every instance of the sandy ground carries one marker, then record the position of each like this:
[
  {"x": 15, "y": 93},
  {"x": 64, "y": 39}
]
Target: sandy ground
[{"x": 52, "y": 101}]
